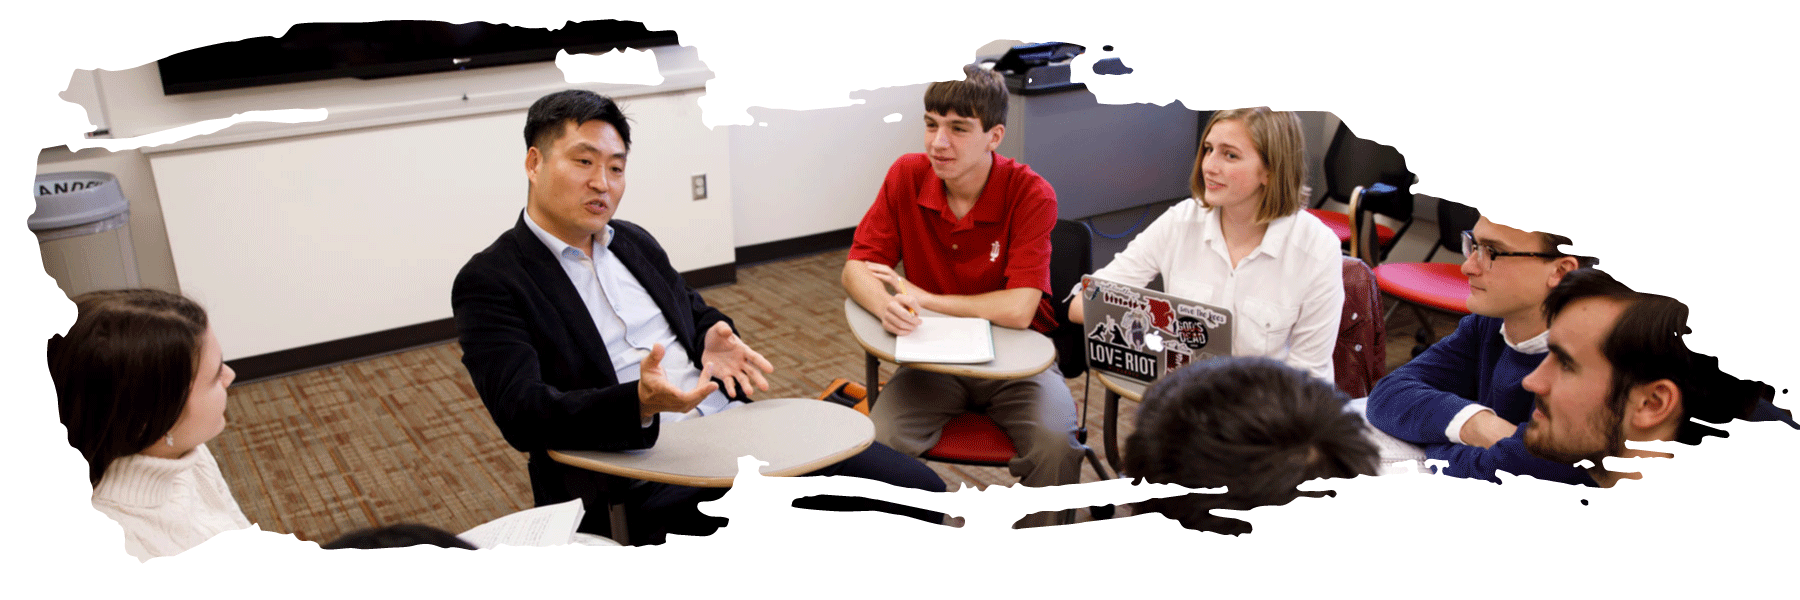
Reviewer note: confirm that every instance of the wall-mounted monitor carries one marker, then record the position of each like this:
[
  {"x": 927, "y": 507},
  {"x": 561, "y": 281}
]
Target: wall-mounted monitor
[{"x": 315, "y": 51}]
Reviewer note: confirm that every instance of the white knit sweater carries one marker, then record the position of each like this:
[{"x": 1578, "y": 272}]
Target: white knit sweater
[{"x": 167, "y": 505}]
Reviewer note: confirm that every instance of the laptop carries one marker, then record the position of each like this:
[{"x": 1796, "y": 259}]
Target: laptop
[{"x": 1142, "y": 334}]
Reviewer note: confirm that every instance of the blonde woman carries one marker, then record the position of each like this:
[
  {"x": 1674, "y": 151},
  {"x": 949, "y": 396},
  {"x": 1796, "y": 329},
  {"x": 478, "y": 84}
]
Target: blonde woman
[{"x": 1240, "y": 243}]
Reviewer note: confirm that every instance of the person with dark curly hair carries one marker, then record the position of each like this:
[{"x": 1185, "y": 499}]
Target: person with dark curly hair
[{"x": 1251, "y": 425}]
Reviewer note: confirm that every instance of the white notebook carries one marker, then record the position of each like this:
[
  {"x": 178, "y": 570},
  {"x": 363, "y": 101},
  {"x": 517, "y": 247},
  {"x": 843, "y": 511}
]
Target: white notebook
[
  {"x": 959, "y": 340},
  {"x": 552, "y": 525}
]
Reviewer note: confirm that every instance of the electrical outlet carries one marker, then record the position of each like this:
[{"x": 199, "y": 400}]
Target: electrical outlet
[{"x": 699, "y": 183}]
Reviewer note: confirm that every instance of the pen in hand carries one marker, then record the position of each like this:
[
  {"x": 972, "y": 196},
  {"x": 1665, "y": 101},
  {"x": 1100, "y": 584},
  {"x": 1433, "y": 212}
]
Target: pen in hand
[{"x": 899, "y": 285}]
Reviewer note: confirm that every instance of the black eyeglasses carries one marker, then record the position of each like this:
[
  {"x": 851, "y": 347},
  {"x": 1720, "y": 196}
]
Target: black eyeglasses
[{"x": 1488, "y": 253}]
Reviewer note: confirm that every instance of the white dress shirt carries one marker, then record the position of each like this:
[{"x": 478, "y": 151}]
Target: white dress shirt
[
  {"x": 628, "y": 318},
  {"x": 1287, "y": 294}
]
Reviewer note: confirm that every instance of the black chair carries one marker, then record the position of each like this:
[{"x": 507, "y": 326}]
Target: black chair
[
  {"x": 1350, "y": 162},
  {"x": 1071, "y": 257}
]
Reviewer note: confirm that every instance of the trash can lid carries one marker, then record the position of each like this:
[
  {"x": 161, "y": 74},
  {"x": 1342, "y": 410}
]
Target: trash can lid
[{"x": 75, "y": 198}]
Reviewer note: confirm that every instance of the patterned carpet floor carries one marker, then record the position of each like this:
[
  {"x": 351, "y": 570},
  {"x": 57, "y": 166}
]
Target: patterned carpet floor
[{"x": 404, "y": 438}]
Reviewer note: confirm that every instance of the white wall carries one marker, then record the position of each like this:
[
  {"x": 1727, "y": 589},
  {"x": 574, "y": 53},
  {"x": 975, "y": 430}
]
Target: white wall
[
  {"x": 296, "y": 234},
  {"x": 669, "y": 143},
  {"x": 310, "y": 239},
  {"x": 799, "y": 173},
  {"x": 306, "y": 240}
]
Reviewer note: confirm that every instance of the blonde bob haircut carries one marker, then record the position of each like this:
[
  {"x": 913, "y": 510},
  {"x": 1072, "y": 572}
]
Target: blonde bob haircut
[{"x": 1277, "y": 137}]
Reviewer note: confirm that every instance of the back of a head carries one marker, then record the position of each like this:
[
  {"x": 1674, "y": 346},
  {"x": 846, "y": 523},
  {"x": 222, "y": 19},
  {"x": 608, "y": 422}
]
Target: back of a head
[
  {"x": 981, "y": 95},
  {"x": 1251, "y": 424},
  {"x": 1281, "y": 142},
  {"x": 398, "y": 536},
  {"x": 123, "y": 370}
]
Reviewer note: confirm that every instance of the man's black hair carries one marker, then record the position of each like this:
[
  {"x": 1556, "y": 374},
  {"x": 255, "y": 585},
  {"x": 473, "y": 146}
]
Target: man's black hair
[
  {"x": 1251, "y": 424},
  {"x": 1646, "y": 344},
  {"x": 398, "y": 536},
  {"x": 544, "y": 121}
]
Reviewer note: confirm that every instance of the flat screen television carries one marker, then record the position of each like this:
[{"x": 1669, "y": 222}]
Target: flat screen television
[{"x": 315, "y": 51}]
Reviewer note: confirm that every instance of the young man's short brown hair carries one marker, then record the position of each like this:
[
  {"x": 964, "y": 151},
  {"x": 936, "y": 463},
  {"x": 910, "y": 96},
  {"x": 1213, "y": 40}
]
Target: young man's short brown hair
[{"x": 980, "y": 95}]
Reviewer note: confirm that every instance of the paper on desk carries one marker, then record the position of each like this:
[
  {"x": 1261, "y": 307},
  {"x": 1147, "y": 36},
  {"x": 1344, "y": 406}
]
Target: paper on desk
[
  {"x": 1392, "y": 449},
  {"x": 552, "y": 525},
  {"x": 947, "y": 340}
]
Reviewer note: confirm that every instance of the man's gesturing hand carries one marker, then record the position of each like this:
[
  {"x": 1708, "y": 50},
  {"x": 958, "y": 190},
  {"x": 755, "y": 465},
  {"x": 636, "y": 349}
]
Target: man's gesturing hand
[
  {"x": 657, "y": 394},
  {"x": 732, "y": 361}
]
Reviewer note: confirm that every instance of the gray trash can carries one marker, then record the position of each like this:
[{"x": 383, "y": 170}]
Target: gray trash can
[{"x": 83, "y": 226}]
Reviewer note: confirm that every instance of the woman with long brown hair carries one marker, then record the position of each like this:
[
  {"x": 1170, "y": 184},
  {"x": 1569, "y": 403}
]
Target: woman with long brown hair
[{"x": 141, "y": 385}]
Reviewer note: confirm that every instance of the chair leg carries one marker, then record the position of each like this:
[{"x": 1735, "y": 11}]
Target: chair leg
[
  {"x": 872, "y": 378},
  {"x": 619, "y": 533},
  {"x": 1094, "y": 460},
  {"x": 1101, "y": 512},
  {"x": 1112, "y": 430},
  {"x": 1430, "y": 336}
]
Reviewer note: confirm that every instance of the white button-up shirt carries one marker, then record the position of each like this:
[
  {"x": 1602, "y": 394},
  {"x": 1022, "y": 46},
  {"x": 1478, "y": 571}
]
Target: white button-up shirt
[
  {"x": 627, "y": 317},
  {"x": 1287, "y": 294}
]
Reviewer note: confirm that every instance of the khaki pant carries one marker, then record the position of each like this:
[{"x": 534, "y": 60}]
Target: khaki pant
[{"x": 1037, "y": 412}]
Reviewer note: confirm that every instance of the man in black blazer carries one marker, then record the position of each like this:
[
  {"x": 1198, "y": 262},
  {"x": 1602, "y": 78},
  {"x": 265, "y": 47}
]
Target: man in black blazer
[{"x": 580, "y": 335}]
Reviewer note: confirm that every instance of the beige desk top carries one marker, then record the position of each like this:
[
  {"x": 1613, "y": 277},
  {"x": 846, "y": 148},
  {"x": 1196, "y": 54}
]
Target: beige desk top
[
  {"x": 1017, "y": 352},
  {"x": 794, "y": 435},
  {"x": 1121, "y": 385}
]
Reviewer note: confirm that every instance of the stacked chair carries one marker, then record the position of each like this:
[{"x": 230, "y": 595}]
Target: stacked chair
[{"x": 1352, "y": 162}]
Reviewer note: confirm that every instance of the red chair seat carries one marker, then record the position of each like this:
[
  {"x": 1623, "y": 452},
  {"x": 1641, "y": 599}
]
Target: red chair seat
[
  {"x": 972, "y": 437},
  {"x": 1435, "y": 285},
  {"x": 1340, "y": 226}
]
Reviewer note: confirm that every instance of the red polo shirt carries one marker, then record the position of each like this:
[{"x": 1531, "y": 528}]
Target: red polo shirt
[{"x": 1002, "y": 243}]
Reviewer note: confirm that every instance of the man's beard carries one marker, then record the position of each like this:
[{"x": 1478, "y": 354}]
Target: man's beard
[{"x": 1604, "y": 425}]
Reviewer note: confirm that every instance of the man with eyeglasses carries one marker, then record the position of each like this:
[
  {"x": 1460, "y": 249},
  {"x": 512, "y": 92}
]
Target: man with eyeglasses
[{"x": 1462, "y": 399}]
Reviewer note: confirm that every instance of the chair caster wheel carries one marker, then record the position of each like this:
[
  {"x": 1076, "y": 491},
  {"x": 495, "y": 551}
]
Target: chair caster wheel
[
  {"x": 1417, "y": 350},
  {"x": 1423, "y": 336}
]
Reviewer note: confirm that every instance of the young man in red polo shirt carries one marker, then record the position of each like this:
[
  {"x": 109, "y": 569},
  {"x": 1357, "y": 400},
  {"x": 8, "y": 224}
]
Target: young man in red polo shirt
[{"x": 973, "y": 229}]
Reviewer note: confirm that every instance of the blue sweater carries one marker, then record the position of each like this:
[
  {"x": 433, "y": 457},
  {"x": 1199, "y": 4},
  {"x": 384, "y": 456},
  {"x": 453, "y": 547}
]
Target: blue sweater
[{"x": 1472, "y": 365}]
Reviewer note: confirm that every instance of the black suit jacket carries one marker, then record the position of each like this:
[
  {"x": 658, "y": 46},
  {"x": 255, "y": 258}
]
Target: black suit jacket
[{"x": 537, "y": 358}]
